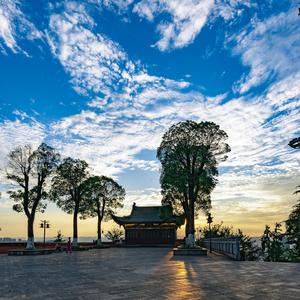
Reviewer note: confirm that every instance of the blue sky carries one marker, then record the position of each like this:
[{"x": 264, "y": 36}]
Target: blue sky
[{"x": 103, "y": 80}]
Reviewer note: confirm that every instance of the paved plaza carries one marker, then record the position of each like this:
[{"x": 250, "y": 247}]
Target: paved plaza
[{"x": 144, "y": 273}]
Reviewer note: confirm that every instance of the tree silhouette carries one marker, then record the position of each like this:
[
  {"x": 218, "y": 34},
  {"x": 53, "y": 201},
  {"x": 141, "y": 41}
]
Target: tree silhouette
[
  {"x": 293, "y": 227},
  {"x": 189, "y": 154},
  {"x": 114, "y": 234},
  {"x": 29, "y": 170},
  {"x": 271, "y": 243},
  {"x": 67, "y": 189},
  {"x": 102, "y": 196}
]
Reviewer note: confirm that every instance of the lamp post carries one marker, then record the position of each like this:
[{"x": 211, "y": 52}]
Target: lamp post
[
  {"x": 295, "y": 143},
  {"x": 209, "y": 221},
  {"x": 44, "y": 224}
]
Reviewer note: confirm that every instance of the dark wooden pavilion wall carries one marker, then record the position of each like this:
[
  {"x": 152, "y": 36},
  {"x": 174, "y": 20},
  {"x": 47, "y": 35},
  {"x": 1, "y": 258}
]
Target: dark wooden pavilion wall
[{"x": 150, "y": 236}]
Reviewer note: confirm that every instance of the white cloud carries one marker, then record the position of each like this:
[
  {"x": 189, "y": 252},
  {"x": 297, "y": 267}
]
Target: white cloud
[
  {"x": 187, "y": 19},
  {"x": 230, "y": 10},
  {"x": 14, "y": 26},
  {"x": 95, "y": 63},
  {"x": 121, "y": 5},
  {"x": 271, "y": 49},
  {"x": 134, "y": 116}
]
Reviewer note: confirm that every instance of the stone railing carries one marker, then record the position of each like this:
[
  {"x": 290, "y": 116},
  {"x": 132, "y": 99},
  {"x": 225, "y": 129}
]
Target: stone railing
[{"x": 227, "y": 246}]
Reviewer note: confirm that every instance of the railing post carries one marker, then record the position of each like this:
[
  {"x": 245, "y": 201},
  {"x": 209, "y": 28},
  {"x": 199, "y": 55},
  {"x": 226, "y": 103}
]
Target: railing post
[{"x": 238, "y": 253}]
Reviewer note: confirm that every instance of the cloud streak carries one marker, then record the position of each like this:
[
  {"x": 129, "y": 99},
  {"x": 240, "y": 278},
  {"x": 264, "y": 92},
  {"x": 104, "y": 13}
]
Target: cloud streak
[
  {"x": 15, "y": 26},
  {"x": 270, "y": 48}
]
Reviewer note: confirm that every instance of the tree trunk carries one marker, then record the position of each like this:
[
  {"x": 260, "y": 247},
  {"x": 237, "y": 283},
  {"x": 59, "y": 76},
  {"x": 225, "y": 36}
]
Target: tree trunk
[
  {"x": 190, "y": 239},
  {"x": 75, "y": 232},
  {"x": 30, "y": 235},
  {"x": 99, "y": 240},
  {"x": 187, "y": 226},
  {"x": 192, "y": 219}
]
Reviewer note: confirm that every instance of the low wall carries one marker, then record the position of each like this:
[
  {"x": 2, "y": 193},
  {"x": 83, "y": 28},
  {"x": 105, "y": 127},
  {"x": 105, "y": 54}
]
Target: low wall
[
  {"x": 5, "y": 247},
  {"x": 227, "y": 246}
]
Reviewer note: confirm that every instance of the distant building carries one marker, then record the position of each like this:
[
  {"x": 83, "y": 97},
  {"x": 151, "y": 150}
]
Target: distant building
[
  {"x": 7, "y": 240},
  {"x": 150, "y": 225}
]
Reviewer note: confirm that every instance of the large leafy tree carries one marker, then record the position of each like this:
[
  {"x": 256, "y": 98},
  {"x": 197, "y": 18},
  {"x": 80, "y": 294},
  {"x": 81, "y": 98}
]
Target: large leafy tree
[
  {"x": 102, "y": 196},
  {"x": 293, "y": 227},
  {"x": 272, "y": 244},
  {"x": 29, "y": 169},
  {"x": 189, "y": 154},
  {"x": 68, "y": 187}
]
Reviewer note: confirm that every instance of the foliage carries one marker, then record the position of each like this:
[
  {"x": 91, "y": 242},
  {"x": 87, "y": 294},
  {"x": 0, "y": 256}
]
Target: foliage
[
  {"x": 217, "y": 231},
  {"x": 272, "y": 244},
  {"x": 26, "y": 166},
  {"x": 266, "y": 243},
  {"x": 189, "y": 154},
  {"x": 67, "y": 184},
  {"x": 68, "y": 187},
  {"x": 114, "y": 234},
  {"x": 29, "y": 169},
  {"x": 248, "y": 249},
  {"x": 59, "y": 237},
  {"x": 102, "y": 197},
  {"x": 293, "y": 228}
]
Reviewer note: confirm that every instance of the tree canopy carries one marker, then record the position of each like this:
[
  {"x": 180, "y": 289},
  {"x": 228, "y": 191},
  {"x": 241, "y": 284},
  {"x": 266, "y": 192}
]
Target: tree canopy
[
  {"x": 189, "y": 154},
  {"x": 102, "y": 196},
  {"x": 293, "y": 227},
  {"x": 29, "y": 169},
  {"x": 67, "y": 188}
]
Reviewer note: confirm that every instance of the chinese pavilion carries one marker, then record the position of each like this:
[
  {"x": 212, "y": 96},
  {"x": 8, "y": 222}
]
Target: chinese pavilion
[{"x": 150, "y": 225}]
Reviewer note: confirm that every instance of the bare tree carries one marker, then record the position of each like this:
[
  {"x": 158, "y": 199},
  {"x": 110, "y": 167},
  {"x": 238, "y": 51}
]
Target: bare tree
[{"x": 29, "y": 170}]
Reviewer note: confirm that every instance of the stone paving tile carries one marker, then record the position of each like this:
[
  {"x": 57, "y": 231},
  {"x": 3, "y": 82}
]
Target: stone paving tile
[{"x": 144, "y": 273}]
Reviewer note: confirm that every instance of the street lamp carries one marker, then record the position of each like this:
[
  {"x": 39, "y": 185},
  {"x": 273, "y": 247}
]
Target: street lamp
[
  {"x": 45, "y": 224},
  {"x": 209, "y": 221},
  {"x": 295, "y": 143}
]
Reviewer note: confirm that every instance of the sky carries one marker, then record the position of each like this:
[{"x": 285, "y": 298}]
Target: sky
[{"x": 102, "y": 80}]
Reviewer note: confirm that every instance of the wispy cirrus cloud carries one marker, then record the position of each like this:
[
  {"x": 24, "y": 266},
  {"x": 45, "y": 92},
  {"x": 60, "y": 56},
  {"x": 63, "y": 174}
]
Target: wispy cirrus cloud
[
  {"x": 94, "y": 62},
  {"x": 133, "y": 116},
  {"x": 15, "y": 26},
  {"x": 187, "y": 19},
  {"x": 270, "y": 48}
]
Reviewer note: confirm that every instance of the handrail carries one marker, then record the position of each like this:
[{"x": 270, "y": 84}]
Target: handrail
[{"x": 227, "y": 246}]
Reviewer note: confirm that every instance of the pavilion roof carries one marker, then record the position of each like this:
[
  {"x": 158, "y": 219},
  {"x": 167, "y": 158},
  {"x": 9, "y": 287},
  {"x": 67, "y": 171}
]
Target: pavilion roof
[{"x": 150, "y": 215}]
